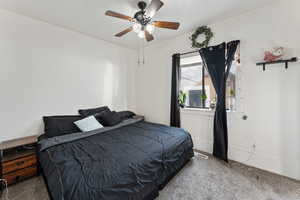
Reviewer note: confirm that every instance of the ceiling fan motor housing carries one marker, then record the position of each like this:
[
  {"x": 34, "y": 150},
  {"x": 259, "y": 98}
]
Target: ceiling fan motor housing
[
  {"x": 142, "y": 5},
  {"x": 140, "y": 15}
]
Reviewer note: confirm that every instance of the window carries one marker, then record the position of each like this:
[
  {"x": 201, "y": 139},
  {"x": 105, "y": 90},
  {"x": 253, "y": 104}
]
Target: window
[{"x": 197, "y": 88}]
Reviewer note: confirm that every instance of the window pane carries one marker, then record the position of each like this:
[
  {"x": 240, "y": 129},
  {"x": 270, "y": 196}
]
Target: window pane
[
  {"x": 191, "y": 81},
  {"x": 210, "y": 93},
  {"x": 231, "y": 83}
]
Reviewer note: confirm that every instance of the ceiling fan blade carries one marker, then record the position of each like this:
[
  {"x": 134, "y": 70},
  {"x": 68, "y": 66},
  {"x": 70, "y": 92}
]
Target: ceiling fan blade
[
  {"x": 169, "y": 25},
  {"x": 154, "y": 6},
  {"x": 118, "y": 15},
  {"x": 149, "y": 36},
  {"x": 124, "y": 32}
]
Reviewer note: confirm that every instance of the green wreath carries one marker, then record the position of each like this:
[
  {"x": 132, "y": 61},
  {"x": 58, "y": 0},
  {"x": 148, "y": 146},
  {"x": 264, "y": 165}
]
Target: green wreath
[{"x": 201, "y": 30}]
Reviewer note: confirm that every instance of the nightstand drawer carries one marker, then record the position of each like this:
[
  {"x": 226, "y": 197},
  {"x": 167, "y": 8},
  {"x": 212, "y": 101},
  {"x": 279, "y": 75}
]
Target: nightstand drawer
[
  {"x": 17, "y": 164},
  {"x": 20, "y": 175}
]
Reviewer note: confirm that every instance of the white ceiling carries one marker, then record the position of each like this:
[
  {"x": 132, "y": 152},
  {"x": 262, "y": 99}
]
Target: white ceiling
[{"x": 87, "y": 16}]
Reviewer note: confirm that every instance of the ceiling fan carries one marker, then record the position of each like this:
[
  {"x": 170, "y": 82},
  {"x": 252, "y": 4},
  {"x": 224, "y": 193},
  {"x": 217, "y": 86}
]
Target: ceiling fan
[{"x": 142, "y": 22}]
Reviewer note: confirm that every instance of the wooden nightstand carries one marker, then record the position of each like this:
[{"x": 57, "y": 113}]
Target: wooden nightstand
[{"x": 18, "y": 159}]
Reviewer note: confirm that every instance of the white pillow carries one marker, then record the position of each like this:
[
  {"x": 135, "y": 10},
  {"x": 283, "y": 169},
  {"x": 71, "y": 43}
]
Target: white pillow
[{"x": 88, "y": 124}]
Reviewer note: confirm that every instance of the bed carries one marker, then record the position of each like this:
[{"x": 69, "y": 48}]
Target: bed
[{"x": 132, "y": 160}]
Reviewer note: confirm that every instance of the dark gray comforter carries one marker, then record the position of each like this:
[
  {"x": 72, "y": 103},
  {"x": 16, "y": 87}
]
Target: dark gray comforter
[{"x": 131, "y": 161}]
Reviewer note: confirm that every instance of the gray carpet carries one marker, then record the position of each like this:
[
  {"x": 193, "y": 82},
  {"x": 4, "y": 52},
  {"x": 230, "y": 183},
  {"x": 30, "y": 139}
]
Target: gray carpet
[{"x": 199, "y": 180}]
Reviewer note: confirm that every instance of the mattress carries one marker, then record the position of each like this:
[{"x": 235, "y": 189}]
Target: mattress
[{"x": 130, "y": 161}]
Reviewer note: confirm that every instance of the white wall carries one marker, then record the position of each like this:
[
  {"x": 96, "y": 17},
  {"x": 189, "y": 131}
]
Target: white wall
[
  {"x": 48, "y": 70},
  {"x": 270, "y": 99}
]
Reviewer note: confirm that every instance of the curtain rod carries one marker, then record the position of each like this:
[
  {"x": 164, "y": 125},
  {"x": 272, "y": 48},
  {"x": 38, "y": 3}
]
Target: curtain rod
[
  {"x": 199, "y": 49},
  {"x": 182, "y": 54}
]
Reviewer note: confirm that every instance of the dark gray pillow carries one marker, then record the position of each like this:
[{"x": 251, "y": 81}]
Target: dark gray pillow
[
  {"x": 92, "y": 111},
  {"x": 125, "y": 114},
  {"x": 108, "y": 118},
  {"x": 60, "y": 125},
  {"x": 100, "y": 114}
]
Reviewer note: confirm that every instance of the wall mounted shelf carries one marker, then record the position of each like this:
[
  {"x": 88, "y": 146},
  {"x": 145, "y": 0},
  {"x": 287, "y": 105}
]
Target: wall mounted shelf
[{"x": 294, "y": 59}]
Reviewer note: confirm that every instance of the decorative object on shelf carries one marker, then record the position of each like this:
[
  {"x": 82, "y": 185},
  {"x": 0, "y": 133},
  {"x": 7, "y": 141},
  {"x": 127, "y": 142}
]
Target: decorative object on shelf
[
  {"x": 274, "y": 55},
  {"x": 182, "y": 99},
  {"x": 294, "y": 59},
  {"x": 201, "y": 30}
]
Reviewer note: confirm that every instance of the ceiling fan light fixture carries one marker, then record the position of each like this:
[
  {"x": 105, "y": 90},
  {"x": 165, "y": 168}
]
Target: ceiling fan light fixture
[
  {"x": 137, "y": 27},
  {"x": 141, "y": 34},
  {"x": 150, "y": 28}
]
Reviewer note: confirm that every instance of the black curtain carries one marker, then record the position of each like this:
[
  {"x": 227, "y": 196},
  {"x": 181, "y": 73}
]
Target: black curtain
[
  {"x": 175, "y": 109},
  {"x": 218, "y": 60}
]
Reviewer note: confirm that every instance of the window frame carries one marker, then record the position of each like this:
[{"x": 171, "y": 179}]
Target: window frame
[{"x": 203, "y": 102}]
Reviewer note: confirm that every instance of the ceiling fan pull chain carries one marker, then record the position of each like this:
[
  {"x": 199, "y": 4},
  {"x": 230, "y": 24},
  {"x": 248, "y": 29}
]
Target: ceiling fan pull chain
[
  {"x": 139, "y": 54},
  {"x": 138, "y": 59},
  {"x": 143, "y": 52},
  {"x": 139, "y": 62}
]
